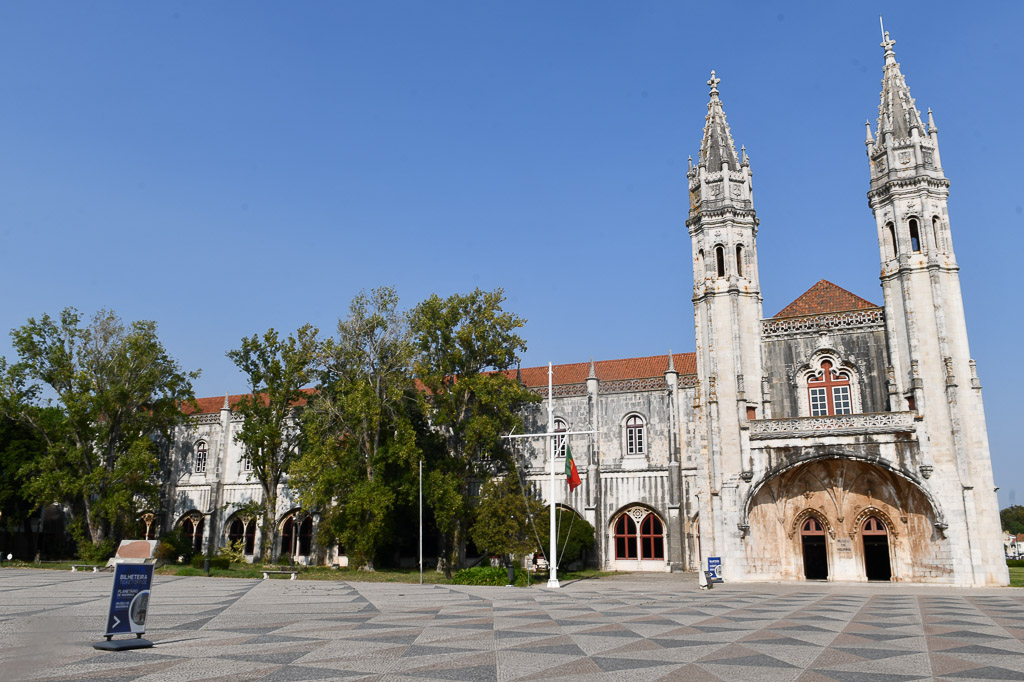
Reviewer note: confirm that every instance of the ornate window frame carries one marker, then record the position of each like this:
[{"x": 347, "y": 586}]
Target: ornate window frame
[
  {"x": 560, "y": 441},
  {"x": 639, "y": 516},
  {"x": 200, "y": 456},
  {"x": 634, "y": 435},
  {"x": 869, "y": 511},
  {"x": 811, "y": 368},
  {"x": 801, "y": 518}
]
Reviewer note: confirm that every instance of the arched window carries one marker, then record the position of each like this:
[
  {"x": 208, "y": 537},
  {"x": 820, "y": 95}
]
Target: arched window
[
  {"x": 200, "y": 465},
  {"x": 915, "y": 236},
  {"x": 635, "y": 435},
  {"x": 652, "y": 538},
  {"x": 560, "y": 440},
  {"x": 639, "y": 525},
  {"x": 937, "y": 233},
  {"x": 891, "y": 250},
  {"x": 739, "y": 260},
  {"x": 829, "y": 391},
  {"x": 625, "y": 538},
  {"x": 720, "y": 260}
]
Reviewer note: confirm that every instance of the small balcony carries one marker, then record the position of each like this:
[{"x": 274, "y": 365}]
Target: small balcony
[{"x": 833, "y": 425}]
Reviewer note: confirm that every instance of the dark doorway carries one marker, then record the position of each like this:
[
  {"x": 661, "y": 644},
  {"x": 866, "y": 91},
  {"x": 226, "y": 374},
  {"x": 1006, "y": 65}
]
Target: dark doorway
[
  {"x": 812, "y": 536},
  {"x": 876, "y": 550}
]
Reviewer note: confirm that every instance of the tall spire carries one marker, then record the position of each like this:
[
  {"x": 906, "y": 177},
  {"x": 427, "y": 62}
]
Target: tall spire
[
  {"x": 897, "y": 113},
  {"x": 717, "y": 146}
]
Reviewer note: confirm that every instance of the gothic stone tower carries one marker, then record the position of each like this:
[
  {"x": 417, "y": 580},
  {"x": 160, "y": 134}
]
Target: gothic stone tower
[
  {"x": 931, "y": 368},
  {"x": 727, "y": 312}
]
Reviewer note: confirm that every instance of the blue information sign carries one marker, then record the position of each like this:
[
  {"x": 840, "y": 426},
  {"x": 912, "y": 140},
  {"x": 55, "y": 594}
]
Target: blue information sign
[
  {"x": 715, "y": 568},
  {"x": 129, "y": 599}
]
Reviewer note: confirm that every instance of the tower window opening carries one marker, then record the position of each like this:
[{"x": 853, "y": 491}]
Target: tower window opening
[
  {"x": 915, "y": 237},
  {"x": 936, "y": 231},
  {"x": 891, "y": 250},
  {"x": 739, "y": 260},
  {"x": 720, "y": 260}
]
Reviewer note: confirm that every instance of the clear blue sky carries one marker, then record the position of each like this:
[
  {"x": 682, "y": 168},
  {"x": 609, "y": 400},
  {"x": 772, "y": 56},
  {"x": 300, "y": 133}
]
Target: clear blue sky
[{"x": 223, "y": 168}]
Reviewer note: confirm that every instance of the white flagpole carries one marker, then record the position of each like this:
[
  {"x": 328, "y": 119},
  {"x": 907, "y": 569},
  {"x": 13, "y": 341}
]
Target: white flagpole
[
  {"x": 421, "y": 522},
  {"x": 552, "y": 558}
]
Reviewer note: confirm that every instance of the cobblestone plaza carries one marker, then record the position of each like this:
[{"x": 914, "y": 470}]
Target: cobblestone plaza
[{"x": 633, "y": 626}]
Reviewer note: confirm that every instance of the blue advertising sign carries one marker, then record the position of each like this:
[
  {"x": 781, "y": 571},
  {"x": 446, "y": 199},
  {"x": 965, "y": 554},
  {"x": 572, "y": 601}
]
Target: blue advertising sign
[
  {"x": 715, "y": 568},
  {"x": 129, "y": 599}
]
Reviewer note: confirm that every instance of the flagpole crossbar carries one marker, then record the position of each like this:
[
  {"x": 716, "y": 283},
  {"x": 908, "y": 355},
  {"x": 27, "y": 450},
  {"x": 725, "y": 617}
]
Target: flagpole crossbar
[{"x": 547, "y": 434}]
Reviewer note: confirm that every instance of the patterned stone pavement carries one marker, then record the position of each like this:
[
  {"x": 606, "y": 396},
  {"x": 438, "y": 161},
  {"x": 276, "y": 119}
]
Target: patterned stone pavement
[{"x": 631, "y": 627}]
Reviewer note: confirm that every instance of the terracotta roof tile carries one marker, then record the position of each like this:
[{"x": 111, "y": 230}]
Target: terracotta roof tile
[
  {"x": 211, "y": 405},
  {"x": 825, "y": 297},
  {"x": 575, "y": 373},
  {"x": 610, "y": 370}
]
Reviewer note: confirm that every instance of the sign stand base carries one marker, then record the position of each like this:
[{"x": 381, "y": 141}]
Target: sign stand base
[{"x": 122, "y": 644}]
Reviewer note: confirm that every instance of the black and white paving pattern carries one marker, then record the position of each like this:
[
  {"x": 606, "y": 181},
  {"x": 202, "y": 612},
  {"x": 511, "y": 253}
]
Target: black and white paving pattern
[{"x": 630, "y": 627}]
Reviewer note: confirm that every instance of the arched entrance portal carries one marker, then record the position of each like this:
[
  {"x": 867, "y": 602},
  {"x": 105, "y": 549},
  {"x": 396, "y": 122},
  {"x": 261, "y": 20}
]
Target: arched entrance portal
[
  {"x": 876, "y": 550},
  {"x": 812, "y": 535},
  {"x": 841, "y": 494}
]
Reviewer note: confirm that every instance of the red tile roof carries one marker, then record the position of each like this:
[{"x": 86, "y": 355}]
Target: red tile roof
[
  {"x": 825, "y": 297},
  {"x": 575, "y": 373},
  {"x": 211, "y": 405},
  {"x": 611, "y": 370}
]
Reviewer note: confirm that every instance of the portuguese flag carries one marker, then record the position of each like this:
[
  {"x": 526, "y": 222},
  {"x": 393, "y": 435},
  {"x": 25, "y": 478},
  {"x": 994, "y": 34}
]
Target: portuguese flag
[{"x": 572, "y": 476}]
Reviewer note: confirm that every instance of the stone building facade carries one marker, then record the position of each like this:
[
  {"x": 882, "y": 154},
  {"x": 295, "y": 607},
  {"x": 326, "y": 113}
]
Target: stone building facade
[{"x": 838, "y": 440}]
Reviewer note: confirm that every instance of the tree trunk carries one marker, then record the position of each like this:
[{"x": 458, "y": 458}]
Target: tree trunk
[
  {"x": 269, "y": 539},
  {"x": 95, "y": 528}
]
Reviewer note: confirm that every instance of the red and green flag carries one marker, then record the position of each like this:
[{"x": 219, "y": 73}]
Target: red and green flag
[{"x": 572, "y": 476}]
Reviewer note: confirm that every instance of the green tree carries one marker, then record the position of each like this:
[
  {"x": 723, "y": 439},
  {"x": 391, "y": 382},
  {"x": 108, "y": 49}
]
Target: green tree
[
  {"x": 116, "y": 394},
  {"x": 505, "y": 519},
  {"x": 277, "y": 371},
  {"x": 1013, "y": 519},
  {"x": 20, "y": 446},
  {"x": 466, "y": 344},
  {"x": 575, "y": 534},
  {"x": 360, "y": 452}
]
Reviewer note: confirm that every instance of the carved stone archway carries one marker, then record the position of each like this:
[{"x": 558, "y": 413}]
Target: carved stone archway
[{"x": 840, "y": 494}]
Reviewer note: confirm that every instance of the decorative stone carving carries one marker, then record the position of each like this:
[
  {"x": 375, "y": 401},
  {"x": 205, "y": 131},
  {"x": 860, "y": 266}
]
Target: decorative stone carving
[
  {"x": 872, "y": 318},
  {"x": 926, "y": 470},
  {"x": 838, "y": 425},
  {"x": 564, "y": 390}
]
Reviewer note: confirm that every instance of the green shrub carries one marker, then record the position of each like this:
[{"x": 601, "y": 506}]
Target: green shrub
[
  {"x": 173, "y": 545},
  {"x": 199, "y": 561},
  {"x": 234, "y": 552},
  {"x": 1015, "y": 563},
  {"x": 96, "y": 553},
  {"x": 487, "y": 575}
]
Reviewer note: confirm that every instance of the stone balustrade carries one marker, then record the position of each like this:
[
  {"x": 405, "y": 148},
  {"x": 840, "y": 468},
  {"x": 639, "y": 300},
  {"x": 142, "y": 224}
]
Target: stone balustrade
[{"x": 833, "y": 425}]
